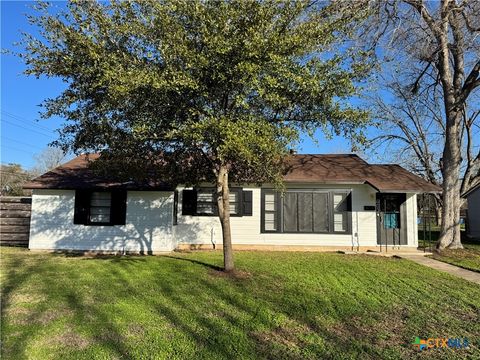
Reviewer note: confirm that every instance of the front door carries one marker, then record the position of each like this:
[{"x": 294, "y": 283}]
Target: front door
[{"x": 390, "y": 222}]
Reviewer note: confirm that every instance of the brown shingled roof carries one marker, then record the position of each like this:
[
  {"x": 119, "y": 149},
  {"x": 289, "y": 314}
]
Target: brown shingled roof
[
  {"x": 76, "y": 174},
  {"x": 351, "y": 169},
  {"x": 301, "y": 168}
]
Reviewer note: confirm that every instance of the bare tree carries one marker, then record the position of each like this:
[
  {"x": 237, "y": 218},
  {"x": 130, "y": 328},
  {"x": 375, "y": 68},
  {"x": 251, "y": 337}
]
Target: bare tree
[
  {"x": 12, "y": 178},
  {"x": 438, "y": 45},
  {"x": 411, "y": 132},
  {"x": 48, "y": 159}
]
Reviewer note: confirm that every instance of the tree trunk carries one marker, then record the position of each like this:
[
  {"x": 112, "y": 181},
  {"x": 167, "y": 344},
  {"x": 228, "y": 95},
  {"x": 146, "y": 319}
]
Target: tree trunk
[
  {"x": 438, "y": 214},
  {"x": 223, "y": 200},
  {"x": 450, "y": 228}
]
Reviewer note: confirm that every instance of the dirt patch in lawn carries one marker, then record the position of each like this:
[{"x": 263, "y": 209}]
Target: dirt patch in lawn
[
  {"x": 136, "y": 330},
  {"x": 27, "y": 298},
  {"x": 69, "y": 338},
  {"x": 24, "y": 316},
  {"x": 49, "y": 316},
  {"x": 384, "y": 332},
  {"x": 282, "y": 342},
  {"x": 236, "y": 274},
  {"x": 17, "y": 315}
]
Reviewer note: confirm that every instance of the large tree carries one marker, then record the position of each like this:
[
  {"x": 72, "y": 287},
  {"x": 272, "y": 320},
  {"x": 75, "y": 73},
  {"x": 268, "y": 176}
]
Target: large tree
[
  {"x": 437, "y": 44},
  {"x": 411, "y": 132},
  {"x": 218, "y": 90}
]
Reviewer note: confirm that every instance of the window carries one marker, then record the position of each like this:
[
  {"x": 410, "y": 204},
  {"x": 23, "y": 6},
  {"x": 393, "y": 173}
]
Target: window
[
  {"x": 100, "y": 207},
  {"x": 306, "y": 211},
  {"x": 340, "y": 212},
  {"x": 234, "y": 201},
  {"x": 206, "y": 202},
  {"x": 270, "y": 211},
  {"x": 203, "y": 202},
  {"x": 100, "y": 203},
  {"x": 321, "y": 214}
]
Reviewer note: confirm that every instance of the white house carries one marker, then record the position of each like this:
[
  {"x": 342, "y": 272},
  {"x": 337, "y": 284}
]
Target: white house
[
  {"x": 473, "y": 215},
  {"x": 331, "y": 202}
]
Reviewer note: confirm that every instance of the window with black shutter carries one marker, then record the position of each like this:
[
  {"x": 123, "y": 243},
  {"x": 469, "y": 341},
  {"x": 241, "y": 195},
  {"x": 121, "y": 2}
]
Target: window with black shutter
[
  {"x": 100, "y": 207},
  {"x": 203, "y": 202},
  {"x": 206, "y": 202}
]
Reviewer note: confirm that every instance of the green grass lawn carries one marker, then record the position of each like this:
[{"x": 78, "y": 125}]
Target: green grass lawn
[
  {"x": 279, "y": 305},
  {"x": 467, "y": 258}
]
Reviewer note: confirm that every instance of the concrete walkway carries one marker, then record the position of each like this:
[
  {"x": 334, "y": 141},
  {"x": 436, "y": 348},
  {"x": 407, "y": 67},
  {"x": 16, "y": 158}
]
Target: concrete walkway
[{"x": 439, "y": 265}]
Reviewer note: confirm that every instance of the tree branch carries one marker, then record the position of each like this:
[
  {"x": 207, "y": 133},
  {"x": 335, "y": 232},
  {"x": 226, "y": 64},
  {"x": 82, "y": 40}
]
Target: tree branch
[
  {"x": 420, "y": 7},
  {"x": 472, "y": 81}
]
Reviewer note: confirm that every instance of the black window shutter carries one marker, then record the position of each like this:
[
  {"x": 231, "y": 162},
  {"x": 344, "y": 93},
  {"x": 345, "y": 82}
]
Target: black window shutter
[
  {"x": 82, "y": 203},
  {"x": 247, "y": 203},
  {"x": 349, "y": 201},
  {"x": 118, "y": 210},
  {"x": 189, "y": 202},
  {"x": 175, "y": 207}
]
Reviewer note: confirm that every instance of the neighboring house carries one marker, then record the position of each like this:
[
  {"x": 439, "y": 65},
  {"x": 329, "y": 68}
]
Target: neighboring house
[
  {"x": 473, "y": 213},
  {"x": 331, "y": 202}
]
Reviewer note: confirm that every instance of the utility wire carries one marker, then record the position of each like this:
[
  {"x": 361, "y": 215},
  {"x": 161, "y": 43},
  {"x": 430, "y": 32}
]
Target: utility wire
[
  {"x": 16, "y": 149},
  {"x": 22, "y": 143},
  {"x": 29, "y": 122},
  {"x": 24, "y": 127}
]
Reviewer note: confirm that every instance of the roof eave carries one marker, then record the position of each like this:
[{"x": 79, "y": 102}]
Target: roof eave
[
  {"x": 472, "y": 190},
  {"x": 416, "y": 191}
]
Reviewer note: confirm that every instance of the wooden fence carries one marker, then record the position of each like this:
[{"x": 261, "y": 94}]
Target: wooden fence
[{"x": 15, "y": 220}]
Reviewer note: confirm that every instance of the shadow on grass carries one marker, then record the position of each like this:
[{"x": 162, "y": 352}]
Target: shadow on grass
[
  {"x": 264, "y": 316},
  {"x": 193, "y": 261}
]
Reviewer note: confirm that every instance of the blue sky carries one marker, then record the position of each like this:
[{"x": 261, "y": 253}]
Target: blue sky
[{"x": 23, "y": 133}]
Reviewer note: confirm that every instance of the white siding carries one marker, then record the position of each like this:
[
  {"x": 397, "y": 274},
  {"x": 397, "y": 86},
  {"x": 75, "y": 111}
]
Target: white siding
[
  {"x": 474, "y": 214},
  {"x": 148, "y": 224},
  {"x": 246, "y": 229}
]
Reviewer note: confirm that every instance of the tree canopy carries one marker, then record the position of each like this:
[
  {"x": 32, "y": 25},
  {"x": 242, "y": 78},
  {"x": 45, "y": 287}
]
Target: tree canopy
[
  {"x": 236, "y": 80},
  {"x": 217, "y": 88}
]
